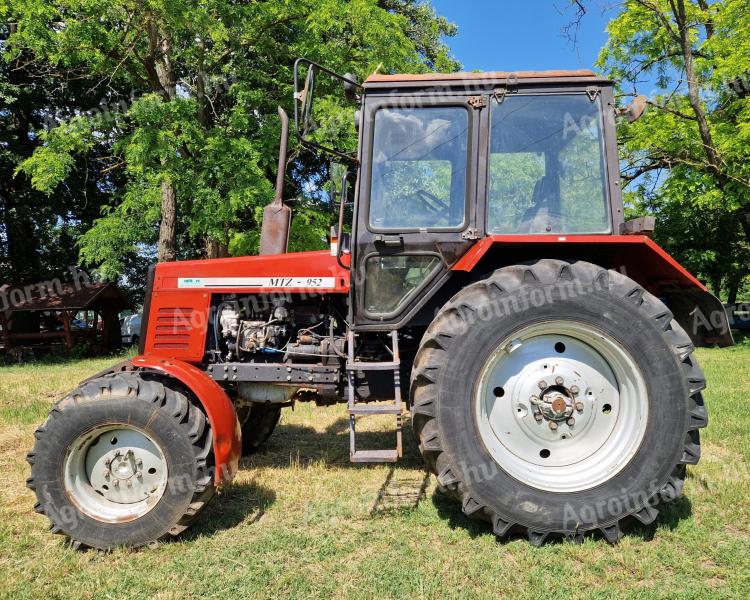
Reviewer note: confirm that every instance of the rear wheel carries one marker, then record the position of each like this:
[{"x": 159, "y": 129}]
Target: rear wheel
[
  {"x": 258, "y": 422},
  {"x": 122, "y": 461},
  {"x": 558, "y": 398}
]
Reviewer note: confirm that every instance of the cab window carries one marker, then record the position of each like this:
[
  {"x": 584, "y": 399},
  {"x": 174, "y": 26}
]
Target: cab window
[
  {"x": 419, "y": 166},
  {"x": 546, "y": 171}
]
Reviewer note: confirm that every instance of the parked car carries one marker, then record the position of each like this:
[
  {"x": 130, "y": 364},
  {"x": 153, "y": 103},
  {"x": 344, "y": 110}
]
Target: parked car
[
  {"x": 130, "y": 328},
  {"x": 739, "y": 315}
]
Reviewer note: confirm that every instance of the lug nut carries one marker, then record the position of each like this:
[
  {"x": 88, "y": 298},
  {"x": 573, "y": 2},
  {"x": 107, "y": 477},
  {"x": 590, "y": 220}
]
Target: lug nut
[
  {"x": 559, "y": 380},
  {"x": 538, "y": 417},
  {"x": 542, "y": 385},
  {"x": 571, "y": 421},
  {"x": 534, "y": 400},
  {"x": 116, "y": 483},
  {"x": 579, "y": 406},
  {"x": 552, "y": 425},
  {"x": 574, "y": 389}
]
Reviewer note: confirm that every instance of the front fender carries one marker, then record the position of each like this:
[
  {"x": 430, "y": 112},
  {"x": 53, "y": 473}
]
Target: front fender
[
  {"x": 225, "y": 428},
  {"x": 697, "y": 310}
]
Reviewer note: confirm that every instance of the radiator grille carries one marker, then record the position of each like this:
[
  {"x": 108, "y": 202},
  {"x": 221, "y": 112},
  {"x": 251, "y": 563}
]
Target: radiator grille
[{"x": 172, "y": 328}]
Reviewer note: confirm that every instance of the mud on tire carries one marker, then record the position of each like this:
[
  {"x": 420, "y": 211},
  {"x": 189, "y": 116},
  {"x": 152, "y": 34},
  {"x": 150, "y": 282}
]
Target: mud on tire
[
  {"x": 465, "y": 333},
  {"x": 176, "y": 426}
]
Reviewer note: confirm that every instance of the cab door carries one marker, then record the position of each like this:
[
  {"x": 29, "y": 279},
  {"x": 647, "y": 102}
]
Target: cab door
[{"x": 416, "y": 213}]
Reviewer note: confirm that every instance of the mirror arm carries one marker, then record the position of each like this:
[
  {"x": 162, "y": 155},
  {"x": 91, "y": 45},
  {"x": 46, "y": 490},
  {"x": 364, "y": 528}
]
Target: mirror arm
[{"x": 299, "y": 97}]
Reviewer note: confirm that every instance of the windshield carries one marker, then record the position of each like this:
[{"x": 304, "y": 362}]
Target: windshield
[
  {"x": 546, "y": 171},
  {"x": 419, "y": 168}
]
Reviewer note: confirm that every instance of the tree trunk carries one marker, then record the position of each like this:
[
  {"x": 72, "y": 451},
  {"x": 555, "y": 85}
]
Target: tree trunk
[
  {"x": 168, "y": 227},
  {"x": 159, "y": 63},
  {"x": 693, "y": 91},
  {"x": 733, "y": 290},
  {"x": 215, "y": 249}
]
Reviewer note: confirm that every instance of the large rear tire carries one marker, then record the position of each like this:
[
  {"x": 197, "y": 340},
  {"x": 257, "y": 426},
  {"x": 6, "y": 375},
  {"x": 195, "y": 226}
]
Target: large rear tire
[
  {"x": 558, "y": 398},
  {"x": 122, "y": 461}
]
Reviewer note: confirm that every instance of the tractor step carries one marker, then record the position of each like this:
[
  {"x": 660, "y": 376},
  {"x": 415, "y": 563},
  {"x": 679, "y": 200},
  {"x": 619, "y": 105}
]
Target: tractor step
[
  {"x": 375, "y": 456},
  {"x": 376, "y": 409},
  {"x": 355, "y": 409},
  {"x": 372, "y": 366}
]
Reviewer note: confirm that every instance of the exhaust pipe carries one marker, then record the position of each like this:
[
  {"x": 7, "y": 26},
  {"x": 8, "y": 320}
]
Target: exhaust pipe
[{"x": 277, "y": 216}]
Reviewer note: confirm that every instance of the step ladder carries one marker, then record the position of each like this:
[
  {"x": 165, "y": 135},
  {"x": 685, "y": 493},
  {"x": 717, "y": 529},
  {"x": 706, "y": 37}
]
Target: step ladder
[{"x": 361, "y": 409}]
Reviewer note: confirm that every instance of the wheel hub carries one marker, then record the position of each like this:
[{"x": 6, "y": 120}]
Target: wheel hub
[
  {"x": 116, "y": 473},
  {"x": 556, "y": 403},
  {"x": 561, "y": 407}
]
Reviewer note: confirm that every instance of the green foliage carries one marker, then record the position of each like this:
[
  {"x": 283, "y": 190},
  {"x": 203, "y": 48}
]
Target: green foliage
[
  {"x": 688, "y": 159},
  {"x": 191, "y": 93}
]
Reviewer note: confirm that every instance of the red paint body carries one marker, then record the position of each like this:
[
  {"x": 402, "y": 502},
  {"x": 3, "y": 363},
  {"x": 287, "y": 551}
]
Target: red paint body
[
  {"x": 643, "y": 260},
  {"x": 178, "y": 317},
  {"x": 225, "y": 427}
]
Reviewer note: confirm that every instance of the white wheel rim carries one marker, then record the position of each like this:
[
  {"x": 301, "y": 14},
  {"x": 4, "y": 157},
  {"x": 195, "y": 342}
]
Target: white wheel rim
[
  {"x": 115, "y": 473},
  {"x": 540, "y": 378}
]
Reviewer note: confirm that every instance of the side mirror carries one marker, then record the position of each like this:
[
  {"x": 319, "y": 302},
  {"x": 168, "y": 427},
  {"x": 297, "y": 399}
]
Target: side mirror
[
  {"x": 635, "y": 109},
  {"x": 307, "y": 96},
  {"x": 339, "y": 175},
  {"x": 315, "y": 125}
]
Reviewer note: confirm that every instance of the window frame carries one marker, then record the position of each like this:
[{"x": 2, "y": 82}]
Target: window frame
[
  {"x": 604, "y": 163},
  {"x": 469, "y": 161}
]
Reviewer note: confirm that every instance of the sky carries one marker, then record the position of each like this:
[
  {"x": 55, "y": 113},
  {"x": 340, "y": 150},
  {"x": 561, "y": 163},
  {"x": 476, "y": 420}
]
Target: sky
[{"x": 518, "y": 35}]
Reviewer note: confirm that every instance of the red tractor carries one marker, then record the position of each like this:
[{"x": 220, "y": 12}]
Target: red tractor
[{"x": 486, "y": 282}]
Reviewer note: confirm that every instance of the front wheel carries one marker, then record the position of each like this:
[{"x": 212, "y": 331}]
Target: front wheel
[
  {"x": 558, "y": 398},
  {"x": 122, "y": 461}
]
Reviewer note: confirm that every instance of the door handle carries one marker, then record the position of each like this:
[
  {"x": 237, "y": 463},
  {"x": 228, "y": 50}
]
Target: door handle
[{"x": 390, "y": 241}]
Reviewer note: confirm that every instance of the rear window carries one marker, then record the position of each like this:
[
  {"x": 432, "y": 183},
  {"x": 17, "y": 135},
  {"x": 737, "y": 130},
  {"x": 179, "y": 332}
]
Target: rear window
[{"x": 546, "y": 167}]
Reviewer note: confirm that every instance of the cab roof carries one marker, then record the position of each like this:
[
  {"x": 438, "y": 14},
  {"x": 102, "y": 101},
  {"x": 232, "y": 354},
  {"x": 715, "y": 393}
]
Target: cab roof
[{"x": 490, "y": 77}]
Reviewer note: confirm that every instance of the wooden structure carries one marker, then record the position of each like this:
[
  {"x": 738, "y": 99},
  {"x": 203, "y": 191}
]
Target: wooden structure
[{"x": 42, "y": 317}]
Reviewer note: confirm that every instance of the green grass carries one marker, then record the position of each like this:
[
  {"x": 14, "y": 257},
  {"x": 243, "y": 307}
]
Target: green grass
[{"x": 301, "y": 521}]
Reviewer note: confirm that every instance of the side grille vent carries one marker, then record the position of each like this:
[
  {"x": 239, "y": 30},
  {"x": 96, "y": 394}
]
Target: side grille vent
[{"x": 172, "y": 328}]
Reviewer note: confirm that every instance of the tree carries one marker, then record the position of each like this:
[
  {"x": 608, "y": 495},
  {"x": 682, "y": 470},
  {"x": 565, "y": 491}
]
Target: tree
[
  {"x": 38, "y": 231},
  {"x": 195, "y": 137},
  {"x": 687, "y": 159}
]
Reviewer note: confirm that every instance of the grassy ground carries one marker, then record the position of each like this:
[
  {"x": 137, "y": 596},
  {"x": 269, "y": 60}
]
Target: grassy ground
[{"x": 301, "y": 521}]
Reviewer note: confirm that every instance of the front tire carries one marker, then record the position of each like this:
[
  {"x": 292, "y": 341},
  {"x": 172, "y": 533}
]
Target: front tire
[
  {"x": 122, "y": 461},
  {"x": 605, "y": 439}
]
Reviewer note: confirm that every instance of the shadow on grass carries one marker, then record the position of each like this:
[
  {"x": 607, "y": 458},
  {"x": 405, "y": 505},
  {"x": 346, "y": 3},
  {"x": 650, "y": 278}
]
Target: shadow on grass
[
  {"x": 237, "y": 503},
  {"x": 330, "y": 447},
  {"x": 670, "y": 516}
]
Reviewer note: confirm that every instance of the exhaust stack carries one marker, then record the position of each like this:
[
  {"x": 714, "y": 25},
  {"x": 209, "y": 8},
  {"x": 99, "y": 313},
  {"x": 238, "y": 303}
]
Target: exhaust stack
[{"x": 277, "y": 216}]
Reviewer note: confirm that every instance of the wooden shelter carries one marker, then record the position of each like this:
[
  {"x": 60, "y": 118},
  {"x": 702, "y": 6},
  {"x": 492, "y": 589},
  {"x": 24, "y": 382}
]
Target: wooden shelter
[{"x": 49, "y": 315}]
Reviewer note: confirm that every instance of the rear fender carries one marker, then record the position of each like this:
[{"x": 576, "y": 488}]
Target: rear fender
[
  {"x": 697, "y": 310},
  {"x": 225, "y": 427}
]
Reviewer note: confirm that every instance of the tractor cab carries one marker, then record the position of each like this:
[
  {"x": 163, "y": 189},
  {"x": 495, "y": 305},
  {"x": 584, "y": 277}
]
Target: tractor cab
[{"x": 446, "y": 160}]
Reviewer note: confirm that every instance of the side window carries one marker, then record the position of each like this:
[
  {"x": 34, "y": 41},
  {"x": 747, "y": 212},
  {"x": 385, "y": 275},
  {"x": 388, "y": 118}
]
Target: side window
[
  {"x": 419, "y": 168},
  {"x": 390, "y": 280},
  {"x": 546, "y": 171}
]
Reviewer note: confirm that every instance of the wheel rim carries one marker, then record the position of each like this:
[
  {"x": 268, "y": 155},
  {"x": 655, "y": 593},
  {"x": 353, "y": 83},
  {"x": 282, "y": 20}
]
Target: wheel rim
[
  {"x": 115, "y": 473},
  {"x": 561, "y": 406}
]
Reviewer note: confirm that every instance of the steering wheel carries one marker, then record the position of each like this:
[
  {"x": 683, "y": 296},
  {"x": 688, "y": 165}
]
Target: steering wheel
[{"x": 432, "y": 204}]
